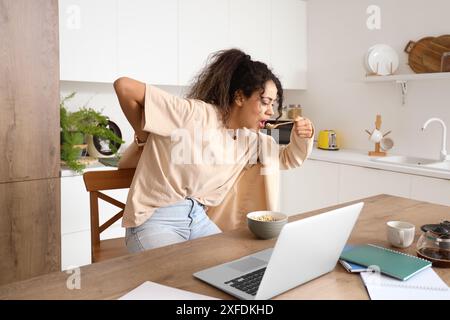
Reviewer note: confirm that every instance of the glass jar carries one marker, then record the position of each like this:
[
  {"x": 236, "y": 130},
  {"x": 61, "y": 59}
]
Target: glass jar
[
  {"x": 435, "y": 248},
  {"x": 294, "y": 111}
]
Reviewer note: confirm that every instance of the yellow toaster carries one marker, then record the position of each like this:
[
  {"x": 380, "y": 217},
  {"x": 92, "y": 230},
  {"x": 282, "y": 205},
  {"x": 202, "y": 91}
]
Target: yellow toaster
[{"x": 327, "y": 140}]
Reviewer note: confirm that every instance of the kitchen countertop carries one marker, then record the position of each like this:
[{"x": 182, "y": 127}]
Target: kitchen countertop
[
  {"x": 342, "y": 156},
  {"x": 66, "y": 172},
  {"x": 362, "y": 159}
]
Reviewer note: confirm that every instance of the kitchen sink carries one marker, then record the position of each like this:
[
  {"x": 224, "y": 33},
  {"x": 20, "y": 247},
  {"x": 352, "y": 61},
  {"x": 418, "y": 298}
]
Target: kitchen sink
[{"x": 415, "y": 162}]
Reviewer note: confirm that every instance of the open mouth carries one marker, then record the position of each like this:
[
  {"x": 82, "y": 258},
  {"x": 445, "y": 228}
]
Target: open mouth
[{"x": 262, "y": 124}]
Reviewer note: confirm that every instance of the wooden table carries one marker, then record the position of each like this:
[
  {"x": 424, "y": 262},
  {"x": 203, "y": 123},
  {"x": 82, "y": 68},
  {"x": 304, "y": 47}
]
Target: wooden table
[{"x": 174, "y": 265}]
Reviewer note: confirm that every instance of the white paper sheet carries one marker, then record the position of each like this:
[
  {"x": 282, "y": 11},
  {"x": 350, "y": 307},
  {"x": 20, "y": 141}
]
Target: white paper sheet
[
  {"x": 155, "y": 291},
  {"x": 426, "y": 285}
]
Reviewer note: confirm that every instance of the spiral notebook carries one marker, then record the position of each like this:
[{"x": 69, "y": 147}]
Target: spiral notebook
[
  {"x": 352, "y": 267},
  {"x": 424, "y": 286},
  {"x": 392, "y": 263}
]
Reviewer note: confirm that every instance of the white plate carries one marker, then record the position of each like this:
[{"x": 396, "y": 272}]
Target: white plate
[
  {"x": 366, "y": 63},
  {"x": 381, "y": 59}
]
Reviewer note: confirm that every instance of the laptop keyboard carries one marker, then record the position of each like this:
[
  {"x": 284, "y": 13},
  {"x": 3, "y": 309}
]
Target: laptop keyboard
[{"x": 249, "y": 282}]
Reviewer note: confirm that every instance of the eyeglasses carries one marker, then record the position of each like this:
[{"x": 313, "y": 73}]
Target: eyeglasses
[{"x": 266, "y": 102}]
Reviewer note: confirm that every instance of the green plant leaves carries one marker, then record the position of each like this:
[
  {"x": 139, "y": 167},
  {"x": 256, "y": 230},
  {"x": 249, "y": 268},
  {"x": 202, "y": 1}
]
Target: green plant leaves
[{"x": 74, "y": 127}]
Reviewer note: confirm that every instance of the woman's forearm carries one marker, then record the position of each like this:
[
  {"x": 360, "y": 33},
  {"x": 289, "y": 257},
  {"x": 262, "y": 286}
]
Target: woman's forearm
[{"x": 131, "y": 95}]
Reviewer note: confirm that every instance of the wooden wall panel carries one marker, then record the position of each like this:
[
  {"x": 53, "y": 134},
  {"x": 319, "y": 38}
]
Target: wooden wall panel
[
  {"x": 30, "y": 229},
  {"x": 29, "y": 90}
]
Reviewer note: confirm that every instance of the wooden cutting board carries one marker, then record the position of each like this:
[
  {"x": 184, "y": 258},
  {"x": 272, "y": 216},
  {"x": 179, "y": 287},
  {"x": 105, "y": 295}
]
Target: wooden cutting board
[
  {"x": 416, "y": 51},
  {"x": 429, "y": 54},
  {"x": 445, "y": 66},
  {"x": 432, "y": 57},
  {"x": 443, "y": 40}
]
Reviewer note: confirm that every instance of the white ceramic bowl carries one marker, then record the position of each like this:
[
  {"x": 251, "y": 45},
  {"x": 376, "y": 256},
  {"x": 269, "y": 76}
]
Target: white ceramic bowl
[{"x": 266, "y": 229}]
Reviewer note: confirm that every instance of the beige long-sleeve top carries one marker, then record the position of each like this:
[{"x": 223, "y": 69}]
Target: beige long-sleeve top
[{"x": 189, "y": 153}]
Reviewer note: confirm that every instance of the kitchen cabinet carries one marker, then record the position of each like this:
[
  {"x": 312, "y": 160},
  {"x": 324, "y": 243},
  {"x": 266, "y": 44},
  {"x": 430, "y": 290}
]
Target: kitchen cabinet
[
  {"x": 431, "y": 189},
  {"x": 278, "y": 38},
  {"x": 29, "y": 145},
  {"x": 29, "y": 228},
  {"x": 289, "y": 42},
  {"x": 75, "y": 220},
  {"x": 75, "y": 249},
  {"x": 320, "y": 183},
  {"x": 88, "y": 40},
  {"x": 168, "y": 42},
  {"x": 147, "y": 47},
  {"x": 74, "y": 205},
  {"x": 252, "y": 38},
  {"x": 312, "y": 186},
  {"x": 358, "y": 182},
  {"x": 203, "y": 29}
]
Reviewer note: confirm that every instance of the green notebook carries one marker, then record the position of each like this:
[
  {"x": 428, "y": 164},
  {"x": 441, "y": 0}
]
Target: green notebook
[{"x": 392, "y": 263}]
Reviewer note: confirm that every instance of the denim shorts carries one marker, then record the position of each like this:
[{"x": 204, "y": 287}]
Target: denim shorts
[{"x": 182, "y": 221}]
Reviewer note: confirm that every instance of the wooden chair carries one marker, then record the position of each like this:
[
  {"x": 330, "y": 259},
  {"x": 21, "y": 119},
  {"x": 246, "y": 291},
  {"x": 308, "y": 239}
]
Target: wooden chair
[{"x": 95, "y": 182}]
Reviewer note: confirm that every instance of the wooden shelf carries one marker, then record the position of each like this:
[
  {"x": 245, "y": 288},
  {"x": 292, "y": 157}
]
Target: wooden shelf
[{"x": 408, "y": 77}]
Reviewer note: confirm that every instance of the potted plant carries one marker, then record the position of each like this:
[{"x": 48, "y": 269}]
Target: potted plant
[{"x": 75, "y": 126}]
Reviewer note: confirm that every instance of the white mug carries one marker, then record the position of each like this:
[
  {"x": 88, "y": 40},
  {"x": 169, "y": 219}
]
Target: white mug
[
  {"x": 400, "y": 234},
  {"x": 376, "y": 136},
  {"x": 386, "y": 144}
]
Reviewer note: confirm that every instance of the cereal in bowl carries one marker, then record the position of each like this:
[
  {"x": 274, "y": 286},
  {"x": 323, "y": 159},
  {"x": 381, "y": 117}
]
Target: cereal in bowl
[{"x": 266, "y": 217}]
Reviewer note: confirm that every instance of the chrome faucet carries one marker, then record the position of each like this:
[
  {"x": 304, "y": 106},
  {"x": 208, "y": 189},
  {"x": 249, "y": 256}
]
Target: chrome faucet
[{"x": 443, "y": 154}]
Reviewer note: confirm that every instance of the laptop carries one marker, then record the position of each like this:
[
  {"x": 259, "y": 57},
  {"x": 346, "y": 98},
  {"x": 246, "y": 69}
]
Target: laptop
[{"x": 305, "y": 250}]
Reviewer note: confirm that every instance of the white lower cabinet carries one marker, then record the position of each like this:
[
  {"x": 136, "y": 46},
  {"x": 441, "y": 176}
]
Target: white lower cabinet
[
  {"x": 309, "y": 187},
  {"x": 75, "y": 249},
  {"x": 318, "y": 184},
  {"x": 74, "y": 205},
  {"x": 431, "y": 190},
  {"x": 75, "y": 221},
  {"x": 359, "y": 182}
]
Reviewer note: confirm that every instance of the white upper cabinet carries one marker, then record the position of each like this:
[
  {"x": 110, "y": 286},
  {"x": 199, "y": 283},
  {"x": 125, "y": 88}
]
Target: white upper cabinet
[
  {"x": 250, "y": 28},
  {"x": 168, "y": 42},
  {"x": 203, "y": 29},
  {"x": 87, "y": 40},
  {"x": 289, "y": 51},
  {"x": 147, "y": 40}
]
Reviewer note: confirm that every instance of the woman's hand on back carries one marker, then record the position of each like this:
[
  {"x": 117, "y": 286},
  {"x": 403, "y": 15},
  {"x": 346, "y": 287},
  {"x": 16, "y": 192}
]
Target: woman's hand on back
[{"x": 131, "y": 95}]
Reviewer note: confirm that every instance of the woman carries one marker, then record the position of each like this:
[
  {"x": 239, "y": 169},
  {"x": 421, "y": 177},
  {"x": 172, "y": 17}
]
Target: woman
[{"x": 182, "y": 169}]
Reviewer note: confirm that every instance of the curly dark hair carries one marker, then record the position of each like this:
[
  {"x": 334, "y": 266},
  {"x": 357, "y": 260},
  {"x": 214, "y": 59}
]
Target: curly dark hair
[{"x": 227, "y": 72}]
